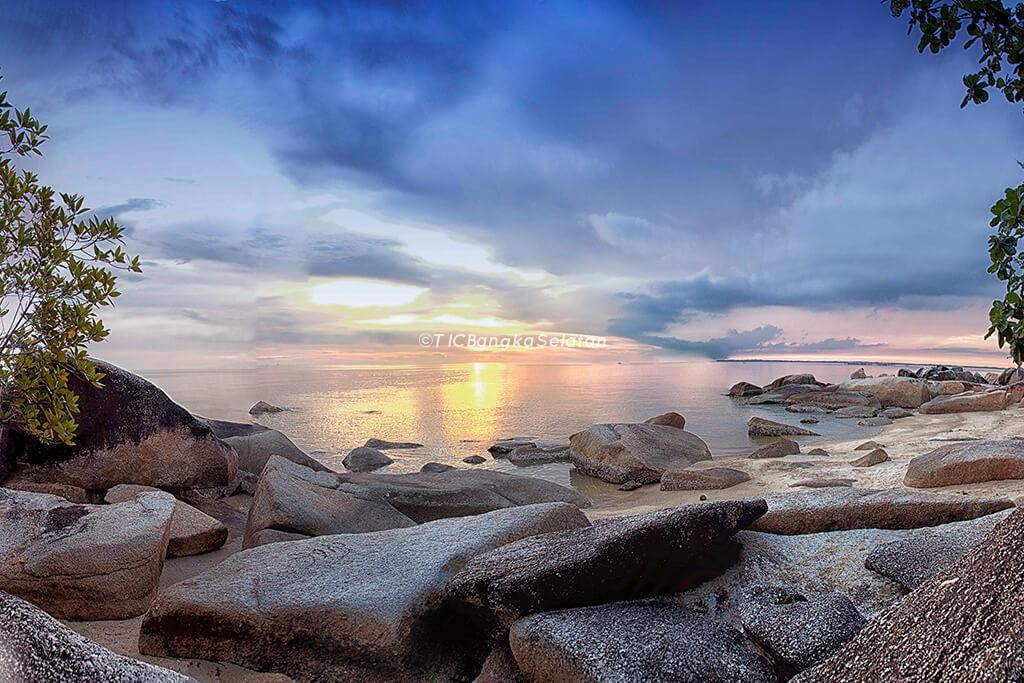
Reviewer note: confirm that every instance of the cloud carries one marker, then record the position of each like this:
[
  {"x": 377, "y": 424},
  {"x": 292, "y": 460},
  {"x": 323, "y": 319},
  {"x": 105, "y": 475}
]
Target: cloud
[{"x": 720, "y": 347}]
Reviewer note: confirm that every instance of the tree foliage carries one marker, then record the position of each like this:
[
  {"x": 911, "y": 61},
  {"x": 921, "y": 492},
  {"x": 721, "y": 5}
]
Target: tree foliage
[
  {"x": 58, "y": 269},
  {"x": 998, "y": 32}
]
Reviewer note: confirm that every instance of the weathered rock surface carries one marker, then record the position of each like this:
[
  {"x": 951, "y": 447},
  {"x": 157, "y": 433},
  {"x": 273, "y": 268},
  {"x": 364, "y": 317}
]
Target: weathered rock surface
[
  {"x": 783, "y": 394},
  {"x": 456, "y": 492},
  {"x": 641, "y": 452},
  {"x": 896, "y": 413},
  {"x": 365, "y": 459},
  {"x": 381, "y": 444},
  {"x": 36, "y": 648},
  {"x": 967, "y": 463},
  {"x": 810, "y": 564},
  {"x": 70, "y": 493},
  {"x": 822, "y": 483},
  {"x": 669, "y": 419},
  {"x": 831, "y": 399},
  {"x": 192, "y": 532},
  {"x": 744, "y": 389},
  {"x": 850, "y": 412},
  {"x": 779, "y": 449},
  {"x": 868, "y": 446},
  {"x": 807, "y": 408},
  {"x": 759, "y": 426},
  {"x": 83, "y": 562},
  {"x": 703, "y": 480},
  {"x": 858, "y": 374},
  {"x": 474, "y": 460},
  {"x": 1010, "y": 376},
  {"x": 262, "y": 408},
  {"x": 912, "y": 560},
  {"x": 538, "y": 453},
  {"x": 615, "y": 559},
  {"x": 809, "y": 420},
  {"x": 945, "y": 373},
  {"x": 295, "y": 499},
  {"x": 797, "y": 633},
  {"x": 650, "y": 640},
  {"x": 833, "y": 509},
  {"x": 787, "y": 380},
  {"x": 342, "y": 607},
  {"x": 965, "y": 624},
  {"x": 946, "y": 388},
  {"x": 129, "y": 432},
  {"x": 255, "y": 449},
  {"x": 506, "y": 446},
  {"x": 821, "y": 452},
  {"x": 500, "y": 666},
  {"x": 901, "y": 392},
  {"x": 875, "y": 457},
  {"x": 970, "y": 402}
]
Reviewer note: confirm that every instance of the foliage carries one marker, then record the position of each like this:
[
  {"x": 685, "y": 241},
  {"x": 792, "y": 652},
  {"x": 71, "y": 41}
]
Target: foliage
[
  {"x": 999, "y": 33},
  {"x": 57, "y": 272}
]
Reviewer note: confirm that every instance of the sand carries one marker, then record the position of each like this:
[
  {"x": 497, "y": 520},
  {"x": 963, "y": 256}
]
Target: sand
[{"x": 902, "y": 440}]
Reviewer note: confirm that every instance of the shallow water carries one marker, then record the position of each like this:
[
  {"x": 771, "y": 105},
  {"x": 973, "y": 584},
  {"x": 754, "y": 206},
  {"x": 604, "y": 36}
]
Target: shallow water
[{"x": 459, "y": 410}]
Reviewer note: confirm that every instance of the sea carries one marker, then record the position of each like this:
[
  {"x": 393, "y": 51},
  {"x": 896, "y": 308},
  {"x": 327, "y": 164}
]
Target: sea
[{"x": 459, "y": 410}]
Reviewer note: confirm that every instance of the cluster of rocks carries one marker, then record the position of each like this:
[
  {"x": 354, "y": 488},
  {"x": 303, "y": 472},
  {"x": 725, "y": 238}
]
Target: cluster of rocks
[
  {"x": 877, "y": 401},
  {"x": 463, "y": 573}
]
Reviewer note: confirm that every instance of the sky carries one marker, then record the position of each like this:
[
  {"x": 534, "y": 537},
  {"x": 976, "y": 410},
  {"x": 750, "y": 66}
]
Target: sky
[{"x": 335, "y": 181}]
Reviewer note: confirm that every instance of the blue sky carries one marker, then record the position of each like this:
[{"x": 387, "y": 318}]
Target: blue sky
[{"x": 743, "y": 179}]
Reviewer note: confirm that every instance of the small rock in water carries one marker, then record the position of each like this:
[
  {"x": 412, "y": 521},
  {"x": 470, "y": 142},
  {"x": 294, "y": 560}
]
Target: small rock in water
[
  {"x": 435, "y": 467},
  {"x": 474, "y": 459},
  {"x": 630, "y": 485},
  {"x": 261, "y": 407},
  {"x": 364, "y": 459},
  {"x": 869, "y": 446},
  {"x": 818, "y": 452},
  {"x": 744, "y": 389},
  {"x": 778, "y": 449},
  {"x": 859, "y": 374},
  {"x": 703, "y": 497},
  {"x": 896, "y": 413},
  {"x": 809, "y": 421}
]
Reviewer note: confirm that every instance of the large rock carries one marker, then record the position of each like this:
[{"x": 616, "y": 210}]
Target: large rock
[
  {"x": 744, "y": 389},
  {"x": 759, "y": 426},
  {"x": 945, "y": 373},
  {"x": 436, "y": 493},
  {"x": 964, "y": 624},
  {"x": 36, "y": 648},
  {"x": 969, "y": 402},
  {"x": 967, "y": 463},
  {"x": 830, "y": 399},
  {"x": 900, "y": 392},
  {"x": 639, "y": 452},
  {"x": 796, "y": 632},
  {"x": 851, "y": 412},
  {"x": 255, "y": 448},
  {"x": 365, "y": 459},
  {"x": 192, "y": 532},
  {"x": 669, "y": 419},
  {"x": 83, "y": 562},
  {"x": 788, "y": 380},
  {"x": 626, "y": 642},
  {"x": 809, "y": 564},
  {"x": 833, "y": 509},
  {"x": 946, "y": 388},
  {"x": 858, "y": 374},
  {"x": 615, "y": 559},
  {"x": 783, "y": 394},
  {"x": 912, "y": 560},
  {"x": 1010, "y": 376},
  {"x": 129, "y": 432},
  {"x": 297, "y": 500},
  {"x": 344, "y": 607},
  {"x": 703, "y": 480}
]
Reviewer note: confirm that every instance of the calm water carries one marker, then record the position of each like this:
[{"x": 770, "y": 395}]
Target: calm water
[{"x": 459, "y": 410}]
